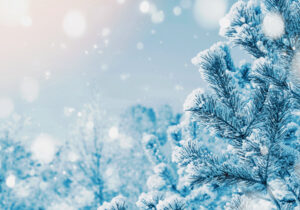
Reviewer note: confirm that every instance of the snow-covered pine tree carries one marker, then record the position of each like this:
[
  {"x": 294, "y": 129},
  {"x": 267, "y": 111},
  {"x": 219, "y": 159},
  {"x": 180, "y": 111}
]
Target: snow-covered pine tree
[
  {"x": 168, "y": 185},
  {"x": 255, "y": 108},
  {"x": 117, "y": 203},
  {"x": 134, "y": 166},
  {"x": 162, "y": 185}
]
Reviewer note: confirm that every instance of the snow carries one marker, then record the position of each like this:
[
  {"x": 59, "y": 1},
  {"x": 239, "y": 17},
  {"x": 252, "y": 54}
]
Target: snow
[
  {"x": 62, "y": 205},
  {"x": 264, "y": 150},
  {"x": 68, "y": 111},
  {"x": 148, "y": 139},
  {"x": 158, "y": 16},
  {"x": 224, "y": 23},
  {"x": 192, "y": 101},
  {"x": 296, "y": 65},
  {"x": 29, "y": 89},
  {"x": 84, "y": 197},
  {"x": 10, "y": 181},
  {"x": 169, "y": 202},
  {"x": 22, "y": 189},
  {"x": 6, "y": 107},
  {"x": 126, "y": 142},
  {"x": 280, "y": 189},
  {"x": 160, "y": 168},
  {"x": 124, "y": 76},
  {"x": 145, "y": 7},
  {"x": 109, "y": 171},
  {"x": 140, "y": 45},
  {"x": 72, "y": 156},
  {"x": 104, "y": 67},
  {"x": 178, "y": 87},
  {"x": 113, "y": 132},
  {"x": 43, "y": 185},
  {"x": 252, "y": 203},
  {"x": 297, "y": 169},
  {"x": 120, "y": 1},
  {"x": 90, "y": 125},
  {"x": 155, "y": 182},
  {"x": 47, "y": 75},
  {"x": 177, "y": 11},
  {"x": 118, "y": 200},
  {"x": 145, "y": 198},
  {"x": 43, "y": 148},
  {"x": 209, "y": 12},
  {"x": 74, "y": 24},
  {"x": 105, "y": 32},
  {"x": 176, "y": 157},
  {"x": 112, "y": 177},
  {"x": 273, "y": 25}
]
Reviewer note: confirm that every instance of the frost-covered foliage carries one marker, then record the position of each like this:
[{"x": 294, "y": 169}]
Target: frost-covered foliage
[
  {"x": 138, "y": 120},
  {"x": 24, "y": 181},
  {"x": 236, "y": 147},
  {"x": 252, "y": 108},
  {"x": 168, "y": 187},
  {"x": 16, "y": 175},
  {"x": 104, "y": 157},
  {"x": 117, "y": 203},
  {"x": 162, "y": 190}
]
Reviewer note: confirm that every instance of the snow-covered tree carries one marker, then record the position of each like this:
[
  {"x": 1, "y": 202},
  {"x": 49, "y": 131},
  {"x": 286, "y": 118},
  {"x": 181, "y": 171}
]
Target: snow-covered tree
[
  {"x": 83, "y": 157},
  {"x": 163, "y": 183},
  {"x": 19, "y": 172},
  {"x": 117, "y": 203},
  {"x": 105, "y": 158},
  {"x": 138, "y": 119},
  {"x": 16, "y": 166},
  {"x": 253, "y": 108},
  {"x": 168, "y": 187}
]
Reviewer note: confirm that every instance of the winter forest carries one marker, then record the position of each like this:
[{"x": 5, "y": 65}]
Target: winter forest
[{"x": 150, "y": 104}]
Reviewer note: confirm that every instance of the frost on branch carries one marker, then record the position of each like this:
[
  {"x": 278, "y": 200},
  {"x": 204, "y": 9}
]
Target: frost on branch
[
  {"x": 259, "y": 121},
  {"x": 117, "y": 203}
]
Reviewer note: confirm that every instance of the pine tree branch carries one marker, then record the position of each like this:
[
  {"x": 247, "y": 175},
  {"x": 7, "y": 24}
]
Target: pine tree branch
[{"x": 270, "y": 193}]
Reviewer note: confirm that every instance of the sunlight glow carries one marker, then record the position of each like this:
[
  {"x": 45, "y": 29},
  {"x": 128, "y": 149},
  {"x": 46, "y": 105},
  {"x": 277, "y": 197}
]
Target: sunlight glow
[{"x": 12, "y": 11}]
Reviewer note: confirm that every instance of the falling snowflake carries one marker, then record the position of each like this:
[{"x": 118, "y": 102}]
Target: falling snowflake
[
  {"x": 113, "y": 132},
  {"x": 43, "y": 148},
  {"x": 74, "y": 24},
  {"x": 177, "y": 11},
  {"x": 140, "y": 45},
  {"x": 10, "y": 181},
  {"x": 29, "y": 89},
  {"x": 273, "y": 25},
  {"x": 144, "y": 6}
]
